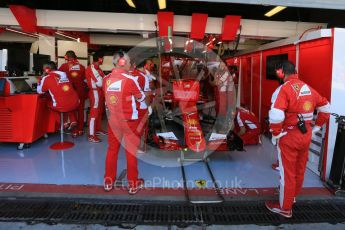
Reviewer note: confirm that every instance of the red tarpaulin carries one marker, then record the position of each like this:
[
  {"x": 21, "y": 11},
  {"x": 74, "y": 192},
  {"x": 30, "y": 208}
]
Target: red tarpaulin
[
  {"x": 231, "y": 23},
  {"x": 198, "y": 26},
  {"x": 26, "y": 17}
]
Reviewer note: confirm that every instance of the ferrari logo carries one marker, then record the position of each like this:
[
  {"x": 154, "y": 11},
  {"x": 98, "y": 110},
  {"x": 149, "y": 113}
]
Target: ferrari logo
[
  {"x": 192, "y": 121},
  {"x": 296, "y": 87},
  {"x": 307, "y": 106},
  {"x": 65, "y": 88},
  {"x": 108, "y": 82},
  {"x": 113, "y": 99},
  {"x": 200, "y": 183},
  {"x": 74, "y": 74}
]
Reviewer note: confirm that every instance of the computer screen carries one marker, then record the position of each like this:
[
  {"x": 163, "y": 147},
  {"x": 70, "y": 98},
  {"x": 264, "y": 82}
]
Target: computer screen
[
  {"x": 21, "y": 85},
  {"x": 39, "y": 61},
  {"x": 2, "y": 86}
]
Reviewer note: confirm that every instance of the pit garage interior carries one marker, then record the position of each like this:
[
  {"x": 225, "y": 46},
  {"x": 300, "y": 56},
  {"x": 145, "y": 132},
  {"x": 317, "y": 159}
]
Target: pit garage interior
[{"x": 308, "y": 33}]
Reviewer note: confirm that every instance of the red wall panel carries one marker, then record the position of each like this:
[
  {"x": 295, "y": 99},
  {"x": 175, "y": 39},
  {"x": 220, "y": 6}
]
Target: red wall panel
[
  {"x": 256, "y": 85},
  {"x": 245, "y": 80},
  {"x": 315, "y": 65}
]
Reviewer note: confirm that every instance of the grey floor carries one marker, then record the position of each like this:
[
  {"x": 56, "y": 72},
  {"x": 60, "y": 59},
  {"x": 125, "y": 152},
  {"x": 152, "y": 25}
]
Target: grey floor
[{"x": 84, "y": 165}]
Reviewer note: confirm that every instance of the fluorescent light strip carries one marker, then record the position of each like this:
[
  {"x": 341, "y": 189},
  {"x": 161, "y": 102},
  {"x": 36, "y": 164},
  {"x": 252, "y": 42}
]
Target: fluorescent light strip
[
  {"x": 23, "y": 33},
  {"x": 162, "y": 4},
  {"x": 275, "y": 10},
  {"x": 130, "y": 3},
  {"x": 66, "y": 36}
]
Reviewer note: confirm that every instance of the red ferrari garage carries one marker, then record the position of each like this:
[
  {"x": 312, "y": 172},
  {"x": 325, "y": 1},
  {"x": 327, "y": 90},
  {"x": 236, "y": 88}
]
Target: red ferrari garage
[{"x": 172, "y": 113}]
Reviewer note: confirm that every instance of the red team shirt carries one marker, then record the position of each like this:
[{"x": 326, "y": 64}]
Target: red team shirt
[
  {"x": 76, "y": 74},
  {"x": 296, "y": 97},
  {"x": 64, "y": 97},
  {"x": 94, "y": 77},
  {"x": 121, "y": 91}
]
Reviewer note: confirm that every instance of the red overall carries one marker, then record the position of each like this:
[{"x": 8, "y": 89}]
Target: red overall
[
  {"x": 121, "y": 94},
  {"x": 291, "y": 99},
  {"x": 251, "y": 123},
  {"x": 94, "y": 77},
  {"x": 76, "y": 74}
]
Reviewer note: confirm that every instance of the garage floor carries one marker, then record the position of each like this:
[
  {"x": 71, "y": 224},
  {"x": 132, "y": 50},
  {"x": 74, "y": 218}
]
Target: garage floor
[{"x": 84, "y": 165}]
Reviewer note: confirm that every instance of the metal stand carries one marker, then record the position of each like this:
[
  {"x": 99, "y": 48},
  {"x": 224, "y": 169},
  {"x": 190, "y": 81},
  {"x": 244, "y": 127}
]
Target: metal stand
[
  {"x": 336, "y": 180},
  {"x": 62, "y": 144}
]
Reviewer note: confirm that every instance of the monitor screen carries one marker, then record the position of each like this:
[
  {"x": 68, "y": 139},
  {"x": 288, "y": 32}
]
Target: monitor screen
[
  {"x": 272, "y": 63},
  {"x": 18, "y": 61},
  {"x": 39, "y": 61},
  {"x": 21, "y": 85},
  {"x": 2, "y": 86}
]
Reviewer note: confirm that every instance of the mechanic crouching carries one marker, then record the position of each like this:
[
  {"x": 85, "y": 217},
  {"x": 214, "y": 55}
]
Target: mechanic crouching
[
  {"x": 122, "y": 93},
  {"x": 63, "y": 97}
]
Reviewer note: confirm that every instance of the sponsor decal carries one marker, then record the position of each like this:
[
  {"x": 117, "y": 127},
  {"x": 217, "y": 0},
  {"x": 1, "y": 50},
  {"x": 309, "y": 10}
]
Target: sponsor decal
[
  {"x": 16, "y": 187},
  {"x": 115, "y": 87},
  {"x": 113, "y": 100},
  {"x": 75, "y": 67},
  {"x": 74, "y": 74},
  {"x": 108, "y": 82},
  {"x": 65, "y": 88},
  {"x": 307, "y": 106},
  {"x": 296, "y": 88},
  {"x": 305, "y": 91},
  {"x": 200, "y": 183}
]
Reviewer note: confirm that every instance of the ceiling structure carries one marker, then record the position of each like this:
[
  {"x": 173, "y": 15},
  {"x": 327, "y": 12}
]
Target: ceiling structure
[{"x": 329, "y": 15}]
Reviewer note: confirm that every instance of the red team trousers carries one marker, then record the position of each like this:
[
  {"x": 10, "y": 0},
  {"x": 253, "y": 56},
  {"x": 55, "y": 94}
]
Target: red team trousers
[
  {"x": 293, "y": 151},
  {"x": 127, "y": 131}
]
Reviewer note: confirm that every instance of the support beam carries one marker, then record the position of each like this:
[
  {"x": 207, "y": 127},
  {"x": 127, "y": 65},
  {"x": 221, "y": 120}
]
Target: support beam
[
  {"x": 122, "y": 22},
  {"x": 321, "y": 4}
]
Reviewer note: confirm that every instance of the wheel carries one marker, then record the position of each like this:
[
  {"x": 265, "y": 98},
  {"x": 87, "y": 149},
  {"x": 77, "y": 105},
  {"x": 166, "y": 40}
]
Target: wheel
[{"x": 20, "y": 146}]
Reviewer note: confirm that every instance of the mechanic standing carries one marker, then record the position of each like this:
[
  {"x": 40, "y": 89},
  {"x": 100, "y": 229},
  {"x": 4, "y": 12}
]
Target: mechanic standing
[
  {"x": 76, "y": 74},
  {"x": 94, "y": 76},
  {"x": 224, "y": 96},
  {"x": 247, "y": 126},
  {"x": 63, "y": 97},
  {"x": 122, "y": 92},
  {"x": 290, "y": 119},
  {"x": 144, "y": 107}
]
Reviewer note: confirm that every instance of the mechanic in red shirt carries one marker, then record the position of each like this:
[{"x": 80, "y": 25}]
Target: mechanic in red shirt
[
  {"x": 94, "y": 77},
  {"x": 247, "y": 126},
  {"x": 76, "y": 74},
  {"x": 122, "y": 92},
  {"x": 290, "y": 120},
  {"x": 143, "y": 78},
  {"x": 63, "y": 97}
]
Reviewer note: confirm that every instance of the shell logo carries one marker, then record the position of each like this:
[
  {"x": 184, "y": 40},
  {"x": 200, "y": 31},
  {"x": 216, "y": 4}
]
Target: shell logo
[
  {"x": 74, "y": 74},
  {"x": 113, "y": 99},
  {"x": 65, "y": 88},
  {"x": 307, "y": 106}
]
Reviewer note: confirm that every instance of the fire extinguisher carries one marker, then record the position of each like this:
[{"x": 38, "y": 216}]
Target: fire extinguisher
[{"x": 337, "y": 174}]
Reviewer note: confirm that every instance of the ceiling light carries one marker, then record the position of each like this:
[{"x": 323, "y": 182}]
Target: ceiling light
[
  {"x": 275, "y": 10},
  {"x": 66, "y": 36},
  {"x": 130, "y": 3},
  {"x": 162, "y": 4},
  {"x": 23, "y": 33}
]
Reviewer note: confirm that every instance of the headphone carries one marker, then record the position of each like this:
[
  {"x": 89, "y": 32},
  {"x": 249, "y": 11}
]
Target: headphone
[
  {"x": 47, "y": 70},
  {"x": 280, "y": 73},
  {"x": 122, "y": 61}
]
